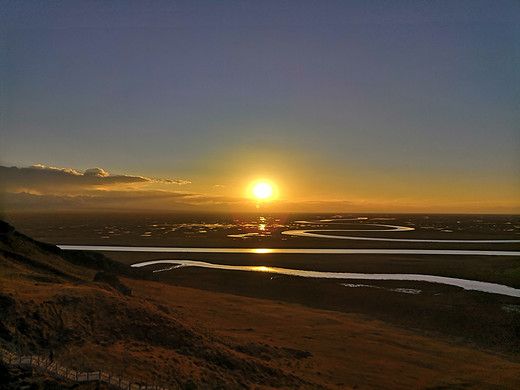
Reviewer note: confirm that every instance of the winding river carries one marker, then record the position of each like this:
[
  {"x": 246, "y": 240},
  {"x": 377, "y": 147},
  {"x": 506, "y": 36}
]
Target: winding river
[
  {"x": 462, "y": 283},
  {"x": 311, "y": 251},
  {"x": 389, "y": 228},
  {"x": 318, "y": 233}
]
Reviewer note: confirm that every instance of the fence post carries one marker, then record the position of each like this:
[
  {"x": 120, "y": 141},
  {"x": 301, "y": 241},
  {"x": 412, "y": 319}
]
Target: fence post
[{"x": 46, "y": 364}]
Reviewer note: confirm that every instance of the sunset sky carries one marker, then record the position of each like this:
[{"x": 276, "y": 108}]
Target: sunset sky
[{"x": 348, "y": 106}]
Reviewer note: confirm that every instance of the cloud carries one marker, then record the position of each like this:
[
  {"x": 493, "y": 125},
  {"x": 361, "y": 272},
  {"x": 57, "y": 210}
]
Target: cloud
[
  {"x": 43, "y": 179},
  {"x": 113, "y": 200},
  {"x": 98, "y": 172},
  {"x": 170, "y": 181},
  {"x": 117, "y": 200},
  {"x": 41, "y": 187}
]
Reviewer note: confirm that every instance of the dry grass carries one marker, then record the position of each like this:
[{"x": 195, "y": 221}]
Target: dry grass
[{"x": 190, "y": 338}]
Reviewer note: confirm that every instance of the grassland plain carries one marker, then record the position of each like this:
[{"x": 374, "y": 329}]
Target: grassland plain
[{"x": 312, "y": 333}]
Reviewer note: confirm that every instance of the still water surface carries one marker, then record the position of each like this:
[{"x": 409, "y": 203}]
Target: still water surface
[
  {"x": 312, "y": 233},
  {"x": 466, "y": 284},
  {"x": 318, "y": 233},
  {"x": 325, "y": 251}
]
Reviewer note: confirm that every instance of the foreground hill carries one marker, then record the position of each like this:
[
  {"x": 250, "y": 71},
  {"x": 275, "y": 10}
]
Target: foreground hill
[
  {"x": 185, "y": 338},
  {"x": 49, "y": 304}
]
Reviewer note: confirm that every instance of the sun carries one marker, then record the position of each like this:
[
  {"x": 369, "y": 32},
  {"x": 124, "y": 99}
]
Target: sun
[{"x": 263, "y": 190}]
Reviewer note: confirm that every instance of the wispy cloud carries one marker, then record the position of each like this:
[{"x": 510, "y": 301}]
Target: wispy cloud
[
  {"x": 43, "y": 179},
  {"x": 97, "y": 200},
  {"x": 52, "y": 188}
]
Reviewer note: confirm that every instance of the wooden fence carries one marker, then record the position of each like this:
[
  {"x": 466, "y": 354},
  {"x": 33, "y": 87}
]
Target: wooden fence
[{"x": 44, "y": 364}]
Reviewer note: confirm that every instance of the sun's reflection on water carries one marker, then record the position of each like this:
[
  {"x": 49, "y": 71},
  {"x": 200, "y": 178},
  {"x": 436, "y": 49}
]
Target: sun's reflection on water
[
  {"x": 261, "y": 250},
  {"x": 262, "y": 269},
  {"x": 260, "y": 226}
]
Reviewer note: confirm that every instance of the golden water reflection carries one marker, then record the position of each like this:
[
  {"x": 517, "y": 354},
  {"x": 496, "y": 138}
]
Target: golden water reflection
[
  {"x": 466, "y": 284},
  {"x": 262, "y": 269},
  {"x": 260, "y": 226},
  {"x": 261, "y": 250}
]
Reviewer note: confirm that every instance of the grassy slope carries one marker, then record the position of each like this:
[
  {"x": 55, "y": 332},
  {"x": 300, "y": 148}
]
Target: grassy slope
[{"x": 193, "y": 338}]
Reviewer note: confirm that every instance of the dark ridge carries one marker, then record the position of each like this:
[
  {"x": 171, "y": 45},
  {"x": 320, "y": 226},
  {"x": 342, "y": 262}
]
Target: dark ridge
[
  {"x": 7, "y": 232},
  {"x": 96, "y": 261},
  {"x": 36, "y": 264},
  {"x": 112, "y": 280},
  {"x": 92, "y": 260}
]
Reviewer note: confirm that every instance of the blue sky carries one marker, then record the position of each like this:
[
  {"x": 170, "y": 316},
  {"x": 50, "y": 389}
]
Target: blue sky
[{"x": 408, "y": 104}]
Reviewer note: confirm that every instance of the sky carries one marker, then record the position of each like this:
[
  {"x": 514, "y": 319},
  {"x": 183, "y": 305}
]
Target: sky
[{"x": 348, "y": 106}]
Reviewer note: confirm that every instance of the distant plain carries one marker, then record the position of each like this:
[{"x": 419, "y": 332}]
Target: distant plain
[{"x": 491, "y": 321}]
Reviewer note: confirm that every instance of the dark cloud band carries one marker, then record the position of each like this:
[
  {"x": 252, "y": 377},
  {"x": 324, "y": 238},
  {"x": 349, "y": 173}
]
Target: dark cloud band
[{"x": 52, "y": 179}]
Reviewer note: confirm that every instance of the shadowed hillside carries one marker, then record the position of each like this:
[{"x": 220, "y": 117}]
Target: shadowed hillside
[{"x": 89, "y": 319}]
